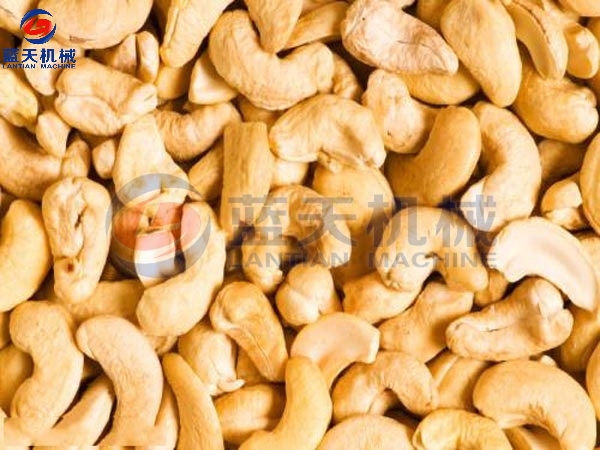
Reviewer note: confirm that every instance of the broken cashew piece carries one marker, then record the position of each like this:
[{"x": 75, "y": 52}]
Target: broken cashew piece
[
  {"x": 335, "y": 341},
  {"x": 419, "y": 240},
  {"x": 307, "y": 410},
  {"x": 521, "y": 246},
  {"x": 550, "y": 399},
  {"x": 381, "y": 34},
  {"x": 562, "y": 204},
  {"x": 134, "y": 370}
]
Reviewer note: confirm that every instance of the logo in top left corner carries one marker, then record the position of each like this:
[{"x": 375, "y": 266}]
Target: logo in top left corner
[{"x": 38, "y": 26}]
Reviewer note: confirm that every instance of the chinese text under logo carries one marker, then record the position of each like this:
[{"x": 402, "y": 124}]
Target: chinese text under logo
[{"x": 36, "y": 29}]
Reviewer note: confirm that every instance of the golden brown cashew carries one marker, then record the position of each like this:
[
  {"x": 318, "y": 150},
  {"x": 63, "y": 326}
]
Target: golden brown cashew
[
  {"x": 590, "y": 188},
  {"x": 592, "y": 379},
  {"x": 404, "y": 124},
  {"x": 212, "y": 355},
  {"x": 574, "y": 122},
  {"x": 187, "y": 136},
  {"x": 511, "y": 159},
  {"x": 584, "y": 49},
  {"x": 335, "y": 341},
  {"x": 199, "y": 423},
  {"x": 420, "y": 330},
  {"x": 362, "y": 431},
  {"x": 307, "y": 411},
  {"x": 356, "y": 390},
  {"x": 207, "y": 87},
  {"x": 453, "y": 148},
  {"x": 530, "y": 320},
  {"x": 330, "y": 129},
  {"x": 381, "y": 34},
  {"x": 582, "y": 7},
  {"x": 244, "y": 313},
  {"x": 115, "y": 98},
  {"x": 25, "y": 257},
  {"x": 371, "y": 300},
  {"x": 559, "y": 160},
  {"x": 16, "y": 366},
  {"x": 483, "y": 36},
  {"x": 419, "y": 240},
  {"x": 18, "y": 103},
  {"x": 268, "y": 81},
  {"x": 84, "y": 423},
  {"x": 75, "y": 211},
  {"x": 562, "y": 204},
  {"x": 307, "y": 293},
  {"x": 531, "y": 438},
  {"x": 275, "y": 20},
  {"x": 173, "y": 307},
  {"x": 345, "y": 83},
  {"x": 129, "y": 360},
  {"x": 321, "y": 24},
  {"x": 45, "y": 331},
  {"x": 4, "y": 332},
  {"x": 250, "y": 409},
  {"x": 521, "y": 246},
  {"x": 206, "y": 176},
  {"x": 453, "y": 428},
  {"x": 549, "y": 398}
]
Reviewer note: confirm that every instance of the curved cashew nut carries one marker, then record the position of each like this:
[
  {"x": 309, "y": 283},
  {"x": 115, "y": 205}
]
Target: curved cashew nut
[
  {"x": 173, "y": 307},
  {"x": 307, "y": 410},
  {"x": 275, "y": 20},
  {"x": 266, "y": 80},
  {"x": 371, "y": 300},
  {"x": 562, "y": 204},
  {"x": 410, "y": 379},
  {"x": 115, "y": 97},
  {"x": 494, "y": 60},
  {"x": 419, "y": 331},
  {"x": 16, "y": 366},
  {"x": 419, "y": 240},
  {"x": 18, "y": 103},
  {"x": 574, "y": 122},
  {"x": 244, "y": 313},
  {"x": 530, "y": 320},
  {"x": 335, "y": 341},
  {"x": 512, "y": 162},
  {"x": 550, "y": 399},
  {"x": 307, "y": 293},
  {"x": 520, "y": 247},
  {"x": 212, "y": 355},
  {"x": 404, "y": 123},
  {"x": 530, "y": 438},
  {"x": 321, "y": 24},
  {"x": 199, "y": 423},
  {"x": 453, "y": 147},
  {"x": 166, "y": 429},
  {"x": 207, "y": 87},
  {"x": 362, "y": 431},
  {"x": 331, "y": 130},
  {"x": 206, "y": 176},
  {"x": 381, "y": 34},
  {"x": 590, "y": 191},
  {"x": 25, "y": 257},
  {"x": 45, "y": 331},
  {"x": 134, "y": 370},
  {"x": 249, "y": 409},
  {"x": 74, "y": 211},
  {"x": 453, "y": 428}
]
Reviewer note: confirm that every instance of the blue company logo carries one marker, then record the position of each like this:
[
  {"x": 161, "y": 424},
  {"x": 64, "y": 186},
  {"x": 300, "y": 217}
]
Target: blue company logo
[{"x": 36, "y": 29}]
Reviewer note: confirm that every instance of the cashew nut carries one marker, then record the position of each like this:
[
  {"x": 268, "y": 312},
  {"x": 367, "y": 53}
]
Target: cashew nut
[
  {"x": 52, "y": 133},
  {"x": 345, "y": 83},
  {"x": 592, "y": 376},
  {"x": 562, "y": 204},
  {"x": 104, "y": 156},
  {"x": 321, "y": 24},
  {"x": 16, "y": 366},
  {"x": 590, "y": 190},
  {"x": 18, "y": 103},
  {"x": 275, "y": 20},
  {"x": 206, "y": 85},
  {"x": 559, "y": 160}
]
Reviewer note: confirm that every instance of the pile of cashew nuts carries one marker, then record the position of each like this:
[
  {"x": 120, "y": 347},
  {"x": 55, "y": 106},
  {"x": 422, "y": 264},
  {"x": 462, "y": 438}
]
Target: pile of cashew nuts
[{"x": 419, "y": 264}]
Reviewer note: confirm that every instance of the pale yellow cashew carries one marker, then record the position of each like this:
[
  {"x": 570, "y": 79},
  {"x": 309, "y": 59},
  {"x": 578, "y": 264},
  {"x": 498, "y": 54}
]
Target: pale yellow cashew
[
  {"x": 483, "y": 35},
  {"x": 207, "y": 87},
  {"x": 419, "y": 240},
  {"x": 321, "y": 24},
  {"x": 335, "y": 341},
  {"x": 521, "y": 246},
  {"x": 590, "y": 190},
  {"x": 45, "y": 331},
  {"x": 16, "y": 366},
  {"x": 562, "y": 204},
  {"x": 266, "y": 80},
  {"x": 361, "y": 432},
  {"x": 198, "y": 420},
  {"x": 206, "y": 176},
  {"x": 44, "y": 80},
  {"x": 583, "y": 7},
  {"x": 420, "y": 330},
  {"x": 453, "y": 147},
  {"x": 25, "y": 257},
  {"x": 356, "y": 391},
  {"x": 275, "y": 20},
  {"x": 52, "y": 133},
  {"x": 104, "y": 156},
  {"x": 173, "y": 82},
  {"x": 244, "y": 313},
  {"x": 531, "y": 438},
  {"x": 18, "y": 103},
  {"x": 404, "y": 123},
  {"x": 454, "y": 428},
  {"x": 345, "y": 82},
  {"x": 11, "y": 13},
  {"x": 331, "y": 130},
  {"x": 252, "y": 113},
  {"x": 381, "y": 34},
  {"x": 307, "y": 411},
  {"x": 74, "y": 211},
  {"x": 165, "y": 433},
  {"x": 550, "y": 399},
  {"x": 494, "y": 291},
  {"x": 129, "y": 361},
  {"x": 250, "y": 409},
  {"x": 584, "y": 49},
  {"x": 559, "y": 160}
]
